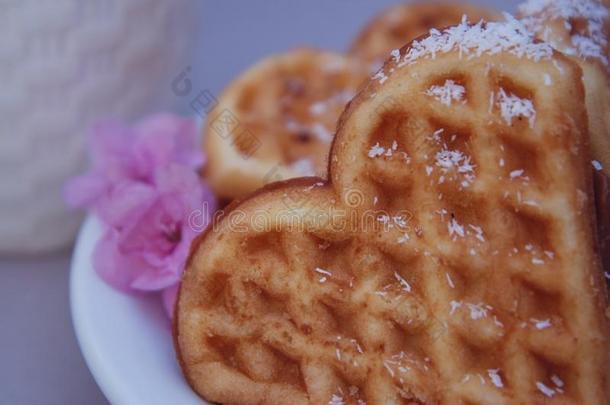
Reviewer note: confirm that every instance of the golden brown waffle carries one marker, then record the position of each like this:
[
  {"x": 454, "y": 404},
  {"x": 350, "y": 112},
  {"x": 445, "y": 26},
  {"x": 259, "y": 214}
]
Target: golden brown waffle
[
  {"x": 449, "y": 259},
  {"x": 580, "y": 29},
  {"x": 402, "y": 23},
  {"x": 602, "y": 208},
  {"x": 277, "y": 120}
]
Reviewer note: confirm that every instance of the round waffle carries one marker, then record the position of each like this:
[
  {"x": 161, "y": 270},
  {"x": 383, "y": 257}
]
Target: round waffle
[
  {"x": 277, "y": 120},
  {"x": 403, "y": 23},
  {"x": 449, "y": 258},
  {"x": 580, "y": 29}
]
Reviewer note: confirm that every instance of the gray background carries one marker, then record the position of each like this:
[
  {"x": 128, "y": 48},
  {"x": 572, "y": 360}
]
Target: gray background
[{"x": 40, "y": 362}]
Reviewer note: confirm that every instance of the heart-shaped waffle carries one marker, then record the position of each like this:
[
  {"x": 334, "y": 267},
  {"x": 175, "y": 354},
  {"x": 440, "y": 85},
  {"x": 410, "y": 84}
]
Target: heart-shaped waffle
[
  {"x": 402, "y": 23},
  {"x": 277, "y": 120},
  {"x": 450, "y": 258}
]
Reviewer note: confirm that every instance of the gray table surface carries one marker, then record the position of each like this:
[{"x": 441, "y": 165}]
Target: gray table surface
[{"x": 40, "y": 362}]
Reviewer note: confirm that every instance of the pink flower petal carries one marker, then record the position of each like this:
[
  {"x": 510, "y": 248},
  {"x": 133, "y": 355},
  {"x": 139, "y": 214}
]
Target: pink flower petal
[
  {"x": 113, "y": 267},
  {"x": 83, "y": 191},
  {"x": 179, "y": 180},
  {"x": 110, "y": 146},
  {"x": 125, "y": 203},
  {"x": 144, "y": 188},
  {"x": 183, "y": 133},
  {"x": 154, "y": 281}
]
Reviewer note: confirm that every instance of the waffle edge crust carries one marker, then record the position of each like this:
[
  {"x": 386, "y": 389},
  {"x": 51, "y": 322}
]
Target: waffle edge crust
[
  {"x": 401, "y": 23},
  {"x": 449, "y": 258}
]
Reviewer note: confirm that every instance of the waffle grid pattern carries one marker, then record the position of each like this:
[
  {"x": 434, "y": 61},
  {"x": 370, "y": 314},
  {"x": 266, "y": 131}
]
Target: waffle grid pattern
[{"x": 468, "y": 292}]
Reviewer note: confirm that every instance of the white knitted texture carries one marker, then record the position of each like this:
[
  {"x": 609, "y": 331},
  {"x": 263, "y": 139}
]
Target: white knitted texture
[{"x": 63, "y": 65}]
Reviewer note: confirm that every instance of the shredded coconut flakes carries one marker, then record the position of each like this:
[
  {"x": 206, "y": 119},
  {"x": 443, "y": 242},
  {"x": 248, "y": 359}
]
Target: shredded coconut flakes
[
  {"x": 455, "y": 305},
  {"x": 589, "y": 42},
  {"x": 477, "y": 311},
  {"x": 512, "y": 106},
  {"x": 495, "y": 378},
  {"x": 549, "y": 392},
  {"x": 557, "y": 381},
  {"x": 447, "y": 93},
  {"x": 479, "y": 39},
  {"x": 322, "y": 271},
  {"x": 403, "y": 283},
  {"x": 541, "y": 324},
  {"x": 455, "y": 164},
  {"x": 336, "y": 400},
  {"x": 376, "y": 150},
  {"x": 450, "y": 281},
  {"x": 455, "y": 228}
]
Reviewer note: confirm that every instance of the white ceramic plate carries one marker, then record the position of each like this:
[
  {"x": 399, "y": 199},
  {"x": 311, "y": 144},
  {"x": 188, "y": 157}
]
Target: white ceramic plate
[{"x": 126, "y": 340}]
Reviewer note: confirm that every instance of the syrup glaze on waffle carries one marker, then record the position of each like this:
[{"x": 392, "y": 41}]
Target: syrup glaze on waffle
[
  {"x": 277, "y": 120},
  {"x": 403, "y": 23},
  {"x": 483, "y": 285}
]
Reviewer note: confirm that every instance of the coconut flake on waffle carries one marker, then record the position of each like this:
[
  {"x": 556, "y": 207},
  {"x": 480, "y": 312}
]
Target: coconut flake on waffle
[
  {"x": 541, "y": 324},
  {"x": 516, "y": 173},
  {"x": 380, "y": 76},
  {"x": 557, "y": 381},
  {"x": 404, "y": 238},
  {"x": 390, "y": 221},
  {"x": 447, "y": 93},
  {"x": 378, "y": 150},
  {"x": 403, "y": 283},
  {"x": 479, "y": 39},
  {"x": 450, "y": 280},
  {"x": 547, "y": 391},
  {"x": 336, "y": 400},
  {"x": 454, "y": 164},
  {"x": 590, "y": 43},
  {"x": 512, "y": 106},
  {"x": 395, "y": 53},
  {"x": 400, "y": 364},
  {"x": 325, "y": 274},
  {"x": 477, "y": 311},
  {"x": 495, "y": 378},
  {"x": 455, "y": 228}
]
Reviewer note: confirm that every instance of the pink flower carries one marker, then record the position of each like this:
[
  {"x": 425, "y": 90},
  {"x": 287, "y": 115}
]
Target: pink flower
[
  {"x": 144, "y": 188},
  {"x": 119, "y": 153}
]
